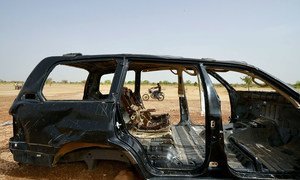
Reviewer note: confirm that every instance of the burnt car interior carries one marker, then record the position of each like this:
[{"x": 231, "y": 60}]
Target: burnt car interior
[
  {"x": 182, "y": 136},
  {"x": 171, "y": 142},
  {"x": 263, "y": 130},
  {"x": 263, "y": 125}
]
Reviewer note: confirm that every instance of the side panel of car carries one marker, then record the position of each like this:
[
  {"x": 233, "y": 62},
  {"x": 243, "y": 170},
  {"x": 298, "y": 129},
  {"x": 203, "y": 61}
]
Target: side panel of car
[{"x": 42, "y": 128}]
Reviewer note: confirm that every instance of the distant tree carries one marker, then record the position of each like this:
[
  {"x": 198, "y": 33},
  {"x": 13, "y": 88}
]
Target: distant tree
[
  {"x": 195, "y": 83},
  {"x": 107, "y": 82},
  {"x": 188, "y": 82},
  {"x": 130, "y": 82},
  {"x": 145, "y": 82},
  {"x": 83, "y": 81},
  {"x": 49, "y": 81},
  {"x": 64, "y": 81},
  {"x": 166, "y": 82},
  {"x": 297, "y": 84},
  {"x": 248, "y": 81}
]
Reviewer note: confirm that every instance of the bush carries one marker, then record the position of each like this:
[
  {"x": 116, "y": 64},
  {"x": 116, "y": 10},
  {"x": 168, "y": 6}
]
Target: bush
[
  {"x": 107, "y": 82},
  {"x": 64, "y": 81},
  {"x": 297, "y": 84},
  {"x": 145, "y": 82}
]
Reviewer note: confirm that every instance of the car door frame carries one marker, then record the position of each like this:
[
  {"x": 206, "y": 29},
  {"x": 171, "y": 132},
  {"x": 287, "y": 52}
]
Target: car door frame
[{"x": 215, "y": 162}]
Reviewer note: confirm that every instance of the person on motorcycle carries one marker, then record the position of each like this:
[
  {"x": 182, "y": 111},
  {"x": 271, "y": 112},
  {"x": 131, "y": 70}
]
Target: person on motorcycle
[
  {"x": 155, "y": 93},
  {"x": 157, "y": 89}
]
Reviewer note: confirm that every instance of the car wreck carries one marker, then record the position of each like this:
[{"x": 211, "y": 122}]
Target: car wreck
[{"x": 260, "y": 140}]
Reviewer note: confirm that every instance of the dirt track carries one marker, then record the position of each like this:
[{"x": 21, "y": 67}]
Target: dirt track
[{"x": 9, "y": 169}]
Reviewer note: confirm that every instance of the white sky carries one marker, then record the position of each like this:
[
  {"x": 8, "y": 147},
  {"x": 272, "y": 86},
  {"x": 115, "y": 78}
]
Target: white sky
[{"x": 263, "y": 33}]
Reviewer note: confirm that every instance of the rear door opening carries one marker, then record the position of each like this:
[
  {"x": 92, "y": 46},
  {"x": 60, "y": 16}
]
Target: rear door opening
[{"x": 171, "y": 131}]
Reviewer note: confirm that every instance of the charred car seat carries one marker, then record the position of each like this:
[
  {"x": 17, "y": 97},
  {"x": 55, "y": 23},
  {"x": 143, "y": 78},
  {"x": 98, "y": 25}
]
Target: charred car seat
[{"x": 141, "y": 118}]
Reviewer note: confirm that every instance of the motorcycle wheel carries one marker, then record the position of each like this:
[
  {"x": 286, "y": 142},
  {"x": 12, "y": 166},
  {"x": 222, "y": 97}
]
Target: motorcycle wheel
[
  {"x": 152, "y": 95},
  {"x": 145, "y": 97},
  {"x": 161, "y": 97}
]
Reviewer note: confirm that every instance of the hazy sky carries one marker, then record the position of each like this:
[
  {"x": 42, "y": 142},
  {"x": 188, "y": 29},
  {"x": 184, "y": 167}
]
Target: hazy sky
[{"x": 262, "y": 33}]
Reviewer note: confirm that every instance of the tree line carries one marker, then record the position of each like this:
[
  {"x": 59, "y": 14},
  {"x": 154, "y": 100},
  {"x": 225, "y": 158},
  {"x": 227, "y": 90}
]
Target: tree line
[{"x": 247, "y": 82}]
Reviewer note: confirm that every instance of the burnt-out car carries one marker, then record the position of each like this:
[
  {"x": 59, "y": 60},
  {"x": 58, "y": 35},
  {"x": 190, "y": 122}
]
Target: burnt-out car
[{"x": 188, "y": 136}]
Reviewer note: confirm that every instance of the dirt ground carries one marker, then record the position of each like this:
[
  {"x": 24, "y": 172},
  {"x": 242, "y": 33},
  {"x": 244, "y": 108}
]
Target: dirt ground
[{"x": 9, "y": 169}]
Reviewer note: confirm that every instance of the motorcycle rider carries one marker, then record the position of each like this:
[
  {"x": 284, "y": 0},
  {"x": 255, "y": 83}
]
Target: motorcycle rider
[
  {"x": 157, "y": 90},
  {"x": 155, "y": 93}
]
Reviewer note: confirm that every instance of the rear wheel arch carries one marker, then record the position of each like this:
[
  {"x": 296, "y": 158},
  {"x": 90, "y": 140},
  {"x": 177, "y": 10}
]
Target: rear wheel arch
[{"x": 74, "y": 146}]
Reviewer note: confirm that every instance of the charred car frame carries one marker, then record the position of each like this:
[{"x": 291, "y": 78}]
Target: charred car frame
[{"x": 261, "y": 139}]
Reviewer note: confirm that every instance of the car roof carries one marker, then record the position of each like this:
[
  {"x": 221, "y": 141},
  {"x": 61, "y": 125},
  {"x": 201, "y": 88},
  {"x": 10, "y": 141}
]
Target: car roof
[{"x": 147, "y": 57}]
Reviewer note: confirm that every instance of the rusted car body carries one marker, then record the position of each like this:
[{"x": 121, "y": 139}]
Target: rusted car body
[{"x": 261, "y": 140}]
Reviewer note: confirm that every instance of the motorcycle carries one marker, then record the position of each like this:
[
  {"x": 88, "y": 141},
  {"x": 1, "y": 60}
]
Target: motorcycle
[{"x": 154, "y": 94}]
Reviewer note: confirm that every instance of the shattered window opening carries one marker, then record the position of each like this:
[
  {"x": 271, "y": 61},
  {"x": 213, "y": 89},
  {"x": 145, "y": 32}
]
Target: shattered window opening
[
  {"x": 62, "y": 85},
  {"x": 95, "y": 84}
]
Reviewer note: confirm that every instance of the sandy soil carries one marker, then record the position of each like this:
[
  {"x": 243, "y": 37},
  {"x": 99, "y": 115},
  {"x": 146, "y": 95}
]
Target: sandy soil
[{"x": 105, "y": 169}]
